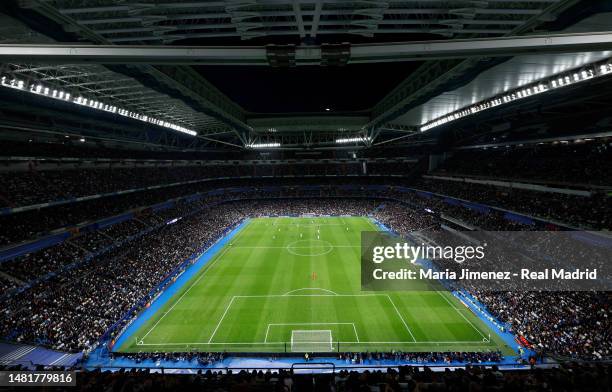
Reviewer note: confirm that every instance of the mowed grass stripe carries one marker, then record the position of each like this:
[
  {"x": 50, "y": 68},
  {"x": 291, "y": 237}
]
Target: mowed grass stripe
[{"x": 258, "y": 263}]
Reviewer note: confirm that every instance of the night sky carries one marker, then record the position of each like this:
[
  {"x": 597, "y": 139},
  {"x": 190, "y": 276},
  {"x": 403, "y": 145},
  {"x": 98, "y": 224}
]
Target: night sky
[{"x": 307, "y": 88}]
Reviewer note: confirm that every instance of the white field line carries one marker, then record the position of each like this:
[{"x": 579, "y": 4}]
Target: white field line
[
  {"x": 374, "y": 225},
  {"x": 217, "y": 258},
  {"x": 222, "y": 317},
  {"x": 267, "y": 332},
  {"x": 461, "y": 314},
  {"x": 311, "y": 330},
  {"x": 320, "y": 295},
  {"x": 273, "y": 324},
  {"x": 304, "y": 295},
  {"x": 308, "y": 224},
  {"x": 293, "y": 247},
  {"x": 450, "y": 303},
  {"x": 330, "y": 341},
  {"x": 181, "y": 297},
  {"x": 463, "y": 342},
  {"x": 400, "y": 316},
  {"x": 307, "y": 295},
  {"x": 310, "y": 288},
  {"x": 281, "y": 324},
  {"x": 288, "y": 295}
]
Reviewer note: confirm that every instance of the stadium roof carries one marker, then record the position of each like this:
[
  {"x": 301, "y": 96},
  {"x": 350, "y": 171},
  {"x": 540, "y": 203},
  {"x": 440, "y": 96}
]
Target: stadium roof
[
  {"x": 509, "y": 75},
  {"x": 283, "y": 105}
]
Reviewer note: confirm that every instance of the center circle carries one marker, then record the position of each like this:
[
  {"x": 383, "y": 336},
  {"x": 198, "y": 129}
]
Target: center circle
[{"x": 310, "y": 247}]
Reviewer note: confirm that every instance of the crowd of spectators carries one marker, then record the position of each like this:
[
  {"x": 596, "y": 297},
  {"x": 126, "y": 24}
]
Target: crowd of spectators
[
  {"x": 564, "y": 324},
  {"x": 258, "y": 208},
  {"x": 77, "y": 249},
  {"x": 26, "y": 225},
  {"x": 40, "y": 263},
  {"x": 393, "y": 215},
  {"x": 124, "y": 229},
  {"x": 93, "y": 241},
  {"x": 584, "y": 163},
  {"x": 349, "y": 358},
  {"x": 589, "y": 211},
  {"x": 7, "y": 284},
  {"x": 437, "y": 358},
  {"x": 196, "y": 358},
  {"x": 74, "y": 148},
  {"x": 32, "y": 186},
  {"x": 569, "y": 377},
  {"x": 25, "y": 188},
  {"x": 72, "y": 310}
]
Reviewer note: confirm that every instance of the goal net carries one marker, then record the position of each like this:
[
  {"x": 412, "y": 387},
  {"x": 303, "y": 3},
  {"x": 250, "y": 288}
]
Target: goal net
[{"x": 311, "y": 341}]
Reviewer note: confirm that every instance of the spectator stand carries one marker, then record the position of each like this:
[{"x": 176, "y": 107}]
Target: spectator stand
[{"x": 484, "y": 209}]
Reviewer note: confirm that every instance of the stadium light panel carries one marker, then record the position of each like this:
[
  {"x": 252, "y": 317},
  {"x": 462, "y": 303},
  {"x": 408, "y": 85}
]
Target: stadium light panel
[
  {"x": 264, "y": 145},
  {"x": 39, "y": 89},
  {"x": 352, "y": 140}
]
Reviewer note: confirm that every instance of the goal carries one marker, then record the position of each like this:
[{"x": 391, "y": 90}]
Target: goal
[{"x": 311, "y": 341}]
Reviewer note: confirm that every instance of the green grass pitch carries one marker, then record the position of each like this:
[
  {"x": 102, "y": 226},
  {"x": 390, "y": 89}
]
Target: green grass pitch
[{"x": 293, "y": 285}]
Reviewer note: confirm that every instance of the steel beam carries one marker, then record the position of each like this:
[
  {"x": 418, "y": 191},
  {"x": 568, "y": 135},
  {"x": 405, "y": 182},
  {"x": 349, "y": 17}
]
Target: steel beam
[{"x": 308, "y": 55}]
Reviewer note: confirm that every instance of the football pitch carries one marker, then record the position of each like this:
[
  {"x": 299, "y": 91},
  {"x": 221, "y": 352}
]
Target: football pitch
[{"x": 293, "y": 285}]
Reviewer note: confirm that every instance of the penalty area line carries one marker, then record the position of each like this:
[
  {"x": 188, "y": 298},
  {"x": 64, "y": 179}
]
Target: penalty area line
[
  {"x": 462, "y": 315},
  {"x": 288, "y": 293},
  {"x": 467, "y": 342},
  {"x": 221, "y": 320},
  {"x": 401, "y": 318}
]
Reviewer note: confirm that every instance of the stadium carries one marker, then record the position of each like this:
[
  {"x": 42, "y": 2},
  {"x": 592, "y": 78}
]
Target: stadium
[{"x": 298, "y": 195}]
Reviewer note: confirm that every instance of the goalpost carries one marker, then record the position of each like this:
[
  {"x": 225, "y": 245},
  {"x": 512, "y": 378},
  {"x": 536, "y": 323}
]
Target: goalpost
[{"x": 311, "y": 341}]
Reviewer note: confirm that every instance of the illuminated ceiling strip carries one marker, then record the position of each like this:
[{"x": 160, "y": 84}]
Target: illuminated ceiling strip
[
  {"x": 352, "y": 140},
  {"x": 552, "y": 83},
  {"x": 39, "y": 89},
  {"x": 264, "y": 145}
]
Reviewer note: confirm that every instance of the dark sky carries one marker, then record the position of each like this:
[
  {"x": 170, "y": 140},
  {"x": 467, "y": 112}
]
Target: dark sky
[{"x": 307, "y": 89}]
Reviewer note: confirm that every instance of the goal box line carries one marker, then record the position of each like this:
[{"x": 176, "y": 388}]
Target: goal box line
[
  {"x": 313, "y": 340},
  {"x": 272, "y": 325}
]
